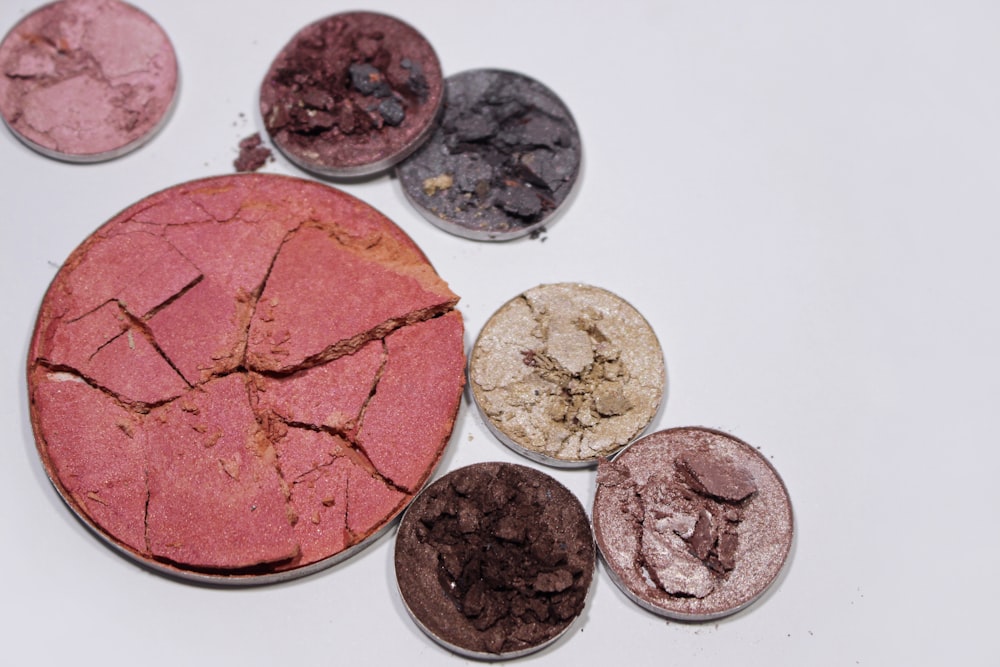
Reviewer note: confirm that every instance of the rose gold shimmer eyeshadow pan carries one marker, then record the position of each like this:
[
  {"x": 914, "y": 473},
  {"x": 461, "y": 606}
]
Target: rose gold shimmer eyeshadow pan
[
  {"x": 495, "y": 560},
  {"x": 692, "y": 523},
  {"x": 244, "y": 378},
  {"x": 352, "y": 94},
  {"x": 567, "y": 373},
  {"x": 86, "y": 80}
]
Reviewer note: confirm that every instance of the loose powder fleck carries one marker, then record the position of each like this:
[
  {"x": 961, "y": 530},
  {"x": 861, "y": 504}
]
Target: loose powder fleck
[
  {"x": 692, "y": 523},
  {"x": 244, "y": 378},
  {"x": 253, "y": 154},
  {"x": 352, "y": 94},
  {"x": 86, "y": 80},
  {"x": 502, "y": 161},
  {"x": 567, "y": 373},
  {"x": 495, "y": 560}
]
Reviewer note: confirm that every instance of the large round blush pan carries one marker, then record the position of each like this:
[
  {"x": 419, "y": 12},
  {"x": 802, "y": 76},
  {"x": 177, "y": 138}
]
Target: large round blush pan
[{"x": 244, "y": 378}]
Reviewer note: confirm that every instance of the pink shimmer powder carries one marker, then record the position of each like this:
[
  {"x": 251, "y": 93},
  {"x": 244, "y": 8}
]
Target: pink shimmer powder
[
  {"x": 86, "y": 80},
  {"x": 244, "y": 378}
]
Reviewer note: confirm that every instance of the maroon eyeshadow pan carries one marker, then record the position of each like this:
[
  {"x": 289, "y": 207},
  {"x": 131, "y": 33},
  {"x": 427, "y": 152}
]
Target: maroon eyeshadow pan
[
  {"x": 352, "y": 94},
  {"x": 693, "y": 524},
  {"x": 495, "y": 560}
]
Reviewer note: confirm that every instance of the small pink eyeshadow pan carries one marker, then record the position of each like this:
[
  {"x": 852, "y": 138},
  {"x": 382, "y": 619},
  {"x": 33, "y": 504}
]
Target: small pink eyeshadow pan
[{"x": 86, "y": 80}]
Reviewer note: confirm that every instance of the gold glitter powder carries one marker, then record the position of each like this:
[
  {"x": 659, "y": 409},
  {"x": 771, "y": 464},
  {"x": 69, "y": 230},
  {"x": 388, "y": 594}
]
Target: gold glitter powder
[{"x": 567, "y": 373}]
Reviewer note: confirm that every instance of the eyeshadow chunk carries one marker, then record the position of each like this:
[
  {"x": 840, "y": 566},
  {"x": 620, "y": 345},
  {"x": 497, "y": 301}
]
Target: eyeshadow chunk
[
  {"x": 692, "y": 523},
  {"x": 213, "y": 410},
  {"x": 421, "y": 363},
  {"x": 567, "y": 373},
  {"x": 495, "y": 560},
  {"x": 215, "y": 498},
  {"x": 501, "y": 162},
  {"x": 253, "y": 154},
  {"x": 352, "y": 94},
  {"x": 86, "y": 80}
]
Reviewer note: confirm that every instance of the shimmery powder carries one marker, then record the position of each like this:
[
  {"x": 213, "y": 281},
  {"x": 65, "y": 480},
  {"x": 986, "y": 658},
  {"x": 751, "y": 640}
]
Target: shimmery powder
[
  {"x": 86, "y": 80},
  {"x": 244, "y": 378},
  {"x": 352, "y": 94},
  {"x": 692, "y": 523},
  {"x": 567, "y": 373},
  {"x": 501, "y": 162},
  {"x": 495, "y": 560}
]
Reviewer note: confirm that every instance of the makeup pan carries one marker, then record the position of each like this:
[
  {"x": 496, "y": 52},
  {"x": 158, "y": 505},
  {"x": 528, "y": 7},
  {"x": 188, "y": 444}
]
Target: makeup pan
[
  {"x": 502, "y": 161},
  {"x": 692, "y": 523},
  {"x": 567, "y": 373},
  {"x": 244, "y": 378},
  {"x": 86, "y": 80},
  {"x": 495, "y": 560},
  {"x": 352, "y": 94}
]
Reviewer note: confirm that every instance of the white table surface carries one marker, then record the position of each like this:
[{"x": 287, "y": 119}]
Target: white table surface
[{"x": 802, "y": 199}]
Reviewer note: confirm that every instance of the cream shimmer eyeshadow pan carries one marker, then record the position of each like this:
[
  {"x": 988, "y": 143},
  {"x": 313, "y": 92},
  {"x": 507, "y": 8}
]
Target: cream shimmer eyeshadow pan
[
  {"x": 692, "y": 523},
  {"x": 567, "y": 373},
  {"x": 86, "y": 80},
  {"x": 244, "y": 378}
]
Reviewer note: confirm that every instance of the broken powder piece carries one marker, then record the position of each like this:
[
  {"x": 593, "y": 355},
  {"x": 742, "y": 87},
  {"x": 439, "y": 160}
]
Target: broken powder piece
[
  {"x": 436, "y": 183},
  {"x": 716, "y": 477},
  {"x": 390, "y": 283}
]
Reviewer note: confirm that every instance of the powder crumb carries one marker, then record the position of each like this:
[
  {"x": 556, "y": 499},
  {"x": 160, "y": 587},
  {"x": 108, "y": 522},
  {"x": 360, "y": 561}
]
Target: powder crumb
[
  {"x": 253, "y": 154},
  {"x": 435, "y": 184}
]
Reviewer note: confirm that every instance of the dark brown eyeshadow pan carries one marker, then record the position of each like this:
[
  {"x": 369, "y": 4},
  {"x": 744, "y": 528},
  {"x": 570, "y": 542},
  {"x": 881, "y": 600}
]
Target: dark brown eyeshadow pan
[
  {"x": 495, "y": 560},
  {"x": 692, "y": 523}
]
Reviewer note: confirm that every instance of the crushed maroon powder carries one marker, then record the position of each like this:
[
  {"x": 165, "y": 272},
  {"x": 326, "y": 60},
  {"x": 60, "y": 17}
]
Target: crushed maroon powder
[{"x": 253, "y": 154}]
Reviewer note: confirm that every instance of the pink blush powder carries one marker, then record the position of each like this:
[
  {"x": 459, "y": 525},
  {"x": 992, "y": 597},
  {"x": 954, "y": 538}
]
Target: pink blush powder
[{"x": 86, "y": 80}]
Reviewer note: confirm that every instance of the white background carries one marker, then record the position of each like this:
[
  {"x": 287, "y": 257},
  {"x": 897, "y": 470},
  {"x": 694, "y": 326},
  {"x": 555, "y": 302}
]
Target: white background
[{"x": 801, "y": 197}]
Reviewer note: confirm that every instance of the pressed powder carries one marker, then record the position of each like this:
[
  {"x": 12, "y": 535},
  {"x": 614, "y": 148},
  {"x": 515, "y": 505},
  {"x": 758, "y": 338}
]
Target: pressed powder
[
  {"x": 352, "y": 94},
  {"x": 495, "y": 560},
  {"x": 501, "y": 162},
  {"x": 86, "y": 80},
  {"x": 692, "y": 523},
  {"x": 567, "y": 373},
  {"x": 244, "y": 378}
]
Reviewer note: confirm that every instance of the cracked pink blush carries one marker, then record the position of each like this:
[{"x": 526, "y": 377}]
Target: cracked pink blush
[
  {"x": 244, "y": 378},
  {"x": 86, "y": 80}
]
